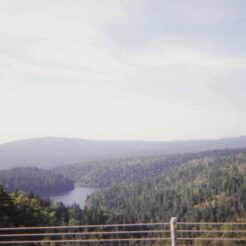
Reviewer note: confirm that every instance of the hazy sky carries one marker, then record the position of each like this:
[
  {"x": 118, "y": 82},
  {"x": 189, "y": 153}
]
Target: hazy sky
[{"x": 144, "y": 69}]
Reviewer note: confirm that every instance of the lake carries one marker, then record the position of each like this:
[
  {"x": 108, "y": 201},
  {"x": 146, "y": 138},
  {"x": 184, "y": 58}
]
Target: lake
[{"x": 78, "y": 195}]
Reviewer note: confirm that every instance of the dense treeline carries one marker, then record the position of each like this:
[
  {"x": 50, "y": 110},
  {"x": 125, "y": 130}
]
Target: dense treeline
[
  {"x": 211, "y": 188},
  {"x": 110, "y": 172},
  {"x": 32, "y": 179},
  {"x": 25, "y": 209},
  {"x": 106, "y": 173}
]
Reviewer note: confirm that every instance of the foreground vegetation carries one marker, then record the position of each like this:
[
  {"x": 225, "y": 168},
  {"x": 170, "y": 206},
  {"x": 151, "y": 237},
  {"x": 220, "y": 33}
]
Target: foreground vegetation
[{"x": 23, "y": 209}]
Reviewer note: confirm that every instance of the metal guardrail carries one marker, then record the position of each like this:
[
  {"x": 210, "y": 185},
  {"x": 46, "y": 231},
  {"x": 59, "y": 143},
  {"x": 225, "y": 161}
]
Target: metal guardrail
[{"x": 174, "y": 233}]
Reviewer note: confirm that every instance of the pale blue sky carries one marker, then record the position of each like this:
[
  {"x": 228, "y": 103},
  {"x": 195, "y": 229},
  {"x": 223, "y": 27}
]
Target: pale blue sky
[{"x": 119, "y": 69}]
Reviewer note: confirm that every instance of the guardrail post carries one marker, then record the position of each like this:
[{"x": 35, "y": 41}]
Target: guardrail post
[{"x": 173, "y": 222}]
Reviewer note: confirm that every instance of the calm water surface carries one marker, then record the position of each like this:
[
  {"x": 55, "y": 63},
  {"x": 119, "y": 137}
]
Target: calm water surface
[{"x": 78, "y": 195}]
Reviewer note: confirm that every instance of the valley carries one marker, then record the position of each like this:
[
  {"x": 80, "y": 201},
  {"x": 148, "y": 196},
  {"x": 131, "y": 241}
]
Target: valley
[
  {"x": 200, "y": 186},
  {"x": 123, "y": 123}
]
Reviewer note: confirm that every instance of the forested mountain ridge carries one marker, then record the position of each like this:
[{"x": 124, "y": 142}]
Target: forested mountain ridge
[
  {"x": 53, "y": 151},
  {"x": 106, "y": 173},
  {"x": 33, "y": 179},
  {"x": 211, "y": 188}
]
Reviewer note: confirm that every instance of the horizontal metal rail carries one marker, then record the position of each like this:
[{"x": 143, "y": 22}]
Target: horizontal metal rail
[
  {"x": 83, "y": 233},
  {"x": 211, "y": 239},
  {"x": 86, "y": 240},
  {"x": 138, "y": 233},
  {"x": 81, "y": 226},
  {"x": 211, "y": 231},
  {"x": 210, "y": 223}
]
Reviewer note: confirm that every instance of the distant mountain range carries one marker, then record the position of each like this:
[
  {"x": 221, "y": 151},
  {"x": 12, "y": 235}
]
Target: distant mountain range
[{"x": 53, "y": 151}]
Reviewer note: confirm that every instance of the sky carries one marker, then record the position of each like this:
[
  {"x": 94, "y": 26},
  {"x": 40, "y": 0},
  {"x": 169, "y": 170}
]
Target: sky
[{"x": 155, "y": 70}]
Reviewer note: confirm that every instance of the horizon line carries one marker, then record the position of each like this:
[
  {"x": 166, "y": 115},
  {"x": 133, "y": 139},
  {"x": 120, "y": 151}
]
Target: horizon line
[{"x": 123, "y": 140}]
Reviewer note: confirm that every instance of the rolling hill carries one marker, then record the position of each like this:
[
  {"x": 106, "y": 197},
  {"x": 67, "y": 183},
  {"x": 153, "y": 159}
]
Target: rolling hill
[{"x": 106, "y": 173}]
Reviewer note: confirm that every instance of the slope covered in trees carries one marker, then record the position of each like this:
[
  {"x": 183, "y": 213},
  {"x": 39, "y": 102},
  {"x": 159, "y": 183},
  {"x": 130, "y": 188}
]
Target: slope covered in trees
[
  {"x": 32, "y": 179},
  {"x": 106, "y": 173},
  {"x": 211, "y": 188}
]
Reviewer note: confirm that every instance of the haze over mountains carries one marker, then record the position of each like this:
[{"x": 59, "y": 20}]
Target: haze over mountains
[{"x": 53, "y": 151}]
